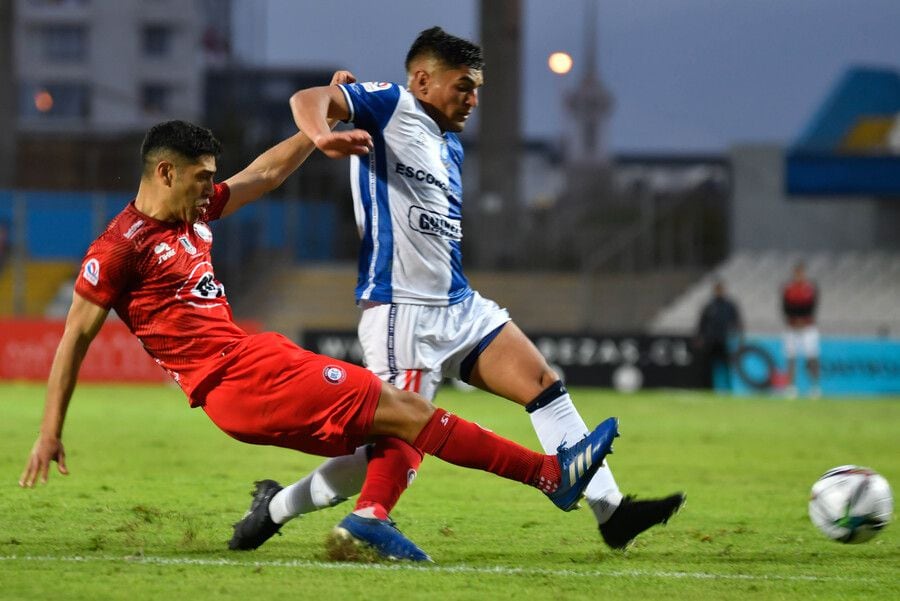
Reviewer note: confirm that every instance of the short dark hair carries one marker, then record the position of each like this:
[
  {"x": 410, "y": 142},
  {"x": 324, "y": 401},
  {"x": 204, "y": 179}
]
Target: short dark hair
[
  {"x": 449, "y": 49},
  {"x": 185, "y": 139}
]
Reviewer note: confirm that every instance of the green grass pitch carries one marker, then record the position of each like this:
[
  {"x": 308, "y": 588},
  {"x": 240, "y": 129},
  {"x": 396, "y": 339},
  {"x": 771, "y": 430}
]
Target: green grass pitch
[{"x": 154, "y": 488}]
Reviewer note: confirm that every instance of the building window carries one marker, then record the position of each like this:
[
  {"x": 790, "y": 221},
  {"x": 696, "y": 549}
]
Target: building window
[
  {"x": 55, "y": 100},
  {"x": 63, "y": 43},
  {"x": 157, "y": 40},
  {"x": 155, "y": 98}
]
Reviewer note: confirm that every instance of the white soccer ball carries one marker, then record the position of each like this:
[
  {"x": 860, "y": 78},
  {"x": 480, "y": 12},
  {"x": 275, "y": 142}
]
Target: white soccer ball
[{"x": 851, "y": 504}]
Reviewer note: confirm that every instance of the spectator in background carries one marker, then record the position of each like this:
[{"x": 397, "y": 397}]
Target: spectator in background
[
  {"x": 720, "y": 322},
  {"x": 799, "y": 298}
]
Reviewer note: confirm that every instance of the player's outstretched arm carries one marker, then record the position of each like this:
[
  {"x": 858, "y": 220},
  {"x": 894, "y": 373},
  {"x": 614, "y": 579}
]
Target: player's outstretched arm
[
  {"x": 271, "y": 168},
  {"x": 82, "y": 324},
  {"x": 313, "y": 107}
]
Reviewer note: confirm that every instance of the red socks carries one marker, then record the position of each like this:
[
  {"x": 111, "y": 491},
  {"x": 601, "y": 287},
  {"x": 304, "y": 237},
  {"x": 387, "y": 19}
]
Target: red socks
[
  {"x": 467, "y": 444},
  {"x": 393, "y": 462},
  {"x": 392, "y": 468}
]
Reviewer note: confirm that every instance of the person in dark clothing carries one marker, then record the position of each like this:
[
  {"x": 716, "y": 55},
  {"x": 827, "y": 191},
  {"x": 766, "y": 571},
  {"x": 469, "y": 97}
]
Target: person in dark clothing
[{"x": 720, "y": 322}]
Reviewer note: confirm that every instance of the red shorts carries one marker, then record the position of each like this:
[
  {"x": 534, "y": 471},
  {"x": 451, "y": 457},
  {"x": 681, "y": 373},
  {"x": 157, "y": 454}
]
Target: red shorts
[{"x": 273, "y": 392}]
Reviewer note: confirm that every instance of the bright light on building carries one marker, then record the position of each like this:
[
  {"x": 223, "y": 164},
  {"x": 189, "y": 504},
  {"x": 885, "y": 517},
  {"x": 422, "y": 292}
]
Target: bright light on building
[
  {"x": 43, "y": 101},
  {"x": 560, "y": 62}
]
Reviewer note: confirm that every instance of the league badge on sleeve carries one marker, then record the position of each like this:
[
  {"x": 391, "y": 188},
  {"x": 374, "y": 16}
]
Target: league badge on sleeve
[
  {"x": 91, "y": 271},
  {"x": 376, "y": 86}
]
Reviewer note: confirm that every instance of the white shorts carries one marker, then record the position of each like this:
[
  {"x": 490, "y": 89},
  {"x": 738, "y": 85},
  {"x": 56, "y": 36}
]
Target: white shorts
[
  {"x": 414, "y": 347},
  {"x": 803, "y": 341}
]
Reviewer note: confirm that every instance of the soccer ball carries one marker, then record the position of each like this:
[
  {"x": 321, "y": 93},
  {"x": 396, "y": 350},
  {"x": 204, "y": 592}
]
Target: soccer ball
[{"x": 850, "y": 504}]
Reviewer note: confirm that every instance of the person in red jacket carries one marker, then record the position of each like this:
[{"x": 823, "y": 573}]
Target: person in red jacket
[{"x": 799, "y": 298}]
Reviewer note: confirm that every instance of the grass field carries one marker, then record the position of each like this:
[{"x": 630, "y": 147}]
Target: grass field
[{"x": 154, "y": 488}]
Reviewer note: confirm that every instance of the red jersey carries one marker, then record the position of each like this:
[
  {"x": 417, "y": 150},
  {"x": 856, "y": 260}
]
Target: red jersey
[
  {"x": 799, "y": 302},
  {"x": 158, "y": 276}
]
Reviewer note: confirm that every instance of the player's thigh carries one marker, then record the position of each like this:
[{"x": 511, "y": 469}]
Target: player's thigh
[
  {"x": 395, "y": 351},
  {"x": 400, "y": 413},
  {"x": 276, "y": 393},
  {"x": 512, "y": 367}
]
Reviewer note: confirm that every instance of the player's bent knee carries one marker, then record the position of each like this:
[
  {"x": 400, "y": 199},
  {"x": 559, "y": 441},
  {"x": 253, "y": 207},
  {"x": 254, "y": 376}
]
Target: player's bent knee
[{"x": 548, "y": 377}]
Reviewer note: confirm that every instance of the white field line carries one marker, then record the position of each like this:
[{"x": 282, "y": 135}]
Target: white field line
[{"x": 410, "y": 567}]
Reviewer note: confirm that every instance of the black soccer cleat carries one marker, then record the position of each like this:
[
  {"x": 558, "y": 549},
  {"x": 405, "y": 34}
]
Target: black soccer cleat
[
  {"x": 256, "y": 527},
  {"x": 632, "y": 517}
]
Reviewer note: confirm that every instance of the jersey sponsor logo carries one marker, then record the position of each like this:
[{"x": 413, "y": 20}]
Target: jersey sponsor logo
[
  {"x": 190, "y": 248},
  {"x": 133, "y": 229},
  {"x": 334, "y": 374},
  {"x": 164, "y": 252},
  {"x": 421, "y": 175},
  {"x": 434, "y": 224},
  {"x": 201, "y": 288},
  {"x": 375, "y": 86},
  {"x": 208, "y": 287},
  {"x": 202, "y": 230},
  {"x": 91, "y": 271}
]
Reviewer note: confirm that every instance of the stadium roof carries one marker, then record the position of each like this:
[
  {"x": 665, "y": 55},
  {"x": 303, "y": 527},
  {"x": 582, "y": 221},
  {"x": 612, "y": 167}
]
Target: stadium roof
[{"x": 851, "y": 146}]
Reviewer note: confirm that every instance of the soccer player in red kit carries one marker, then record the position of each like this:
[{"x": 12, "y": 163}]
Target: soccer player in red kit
[
  {"x": 152, "y": 265},
  {"x": 798, "y": 301}
]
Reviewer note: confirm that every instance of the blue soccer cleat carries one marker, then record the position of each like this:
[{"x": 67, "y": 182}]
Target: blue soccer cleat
[
  {"x": 380, "y": 535},
  {"x": 580, "y": 462}
]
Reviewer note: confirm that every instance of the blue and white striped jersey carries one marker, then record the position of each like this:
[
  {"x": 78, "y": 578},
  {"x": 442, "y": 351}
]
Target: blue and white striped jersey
[{"x": 407, "y": 196}]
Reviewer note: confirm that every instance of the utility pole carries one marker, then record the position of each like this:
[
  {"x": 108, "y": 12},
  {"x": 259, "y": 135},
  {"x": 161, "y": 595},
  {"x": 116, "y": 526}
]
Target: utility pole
[
  {"x": 8, "y": 89},
  {"x": 499, "y": 206}
]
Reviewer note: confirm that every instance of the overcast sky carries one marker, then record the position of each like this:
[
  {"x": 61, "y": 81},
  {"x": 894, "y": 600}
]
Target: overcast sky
[{"x": 686, "y": 75}]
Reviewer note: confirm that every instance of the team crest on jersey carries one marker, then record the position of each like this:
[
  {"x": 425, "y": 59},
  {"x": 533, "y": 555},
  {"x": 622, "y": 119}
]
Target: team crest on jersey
[
  {"x": 201, "y": 288},
  {"x": 202, "y": 230},
  {"x": 92, "y": 271},
  {"x": 190, "y": 248},
  {"x": 334, "y": 374}
]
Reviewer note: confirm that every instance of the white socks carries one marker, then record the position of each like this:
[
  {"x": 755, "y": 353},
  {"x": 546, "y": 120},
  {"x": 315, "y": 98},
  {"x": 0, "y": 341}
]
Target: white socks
[
  {"x": 555, "y": 420},
  {"x": 333, "y": 482}
]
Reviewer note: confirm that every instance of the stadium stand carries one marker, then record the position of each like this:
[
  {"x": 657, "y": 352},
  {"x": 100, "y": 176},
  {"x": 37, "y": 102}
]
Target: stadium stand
[
  {"x": 320, "y": 296},
  {"x": 43, "y": 280},
  {"x": 858, "y": 292}
]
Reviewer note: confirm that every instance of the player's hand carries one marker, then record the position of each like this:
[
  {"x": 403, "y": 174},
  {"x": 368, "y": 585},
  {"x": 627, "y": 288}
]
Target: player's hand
[
  {"x": 340, "y": 144},
  {"x": 45, "y": 450},
  {"x": 340, "y": 77}
]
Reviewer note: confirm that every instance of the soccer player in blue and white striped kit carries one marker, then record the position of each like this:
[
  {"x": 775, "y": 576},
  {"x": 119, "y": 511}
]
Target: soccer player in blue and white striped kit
[{"x": 421, "y": 321}]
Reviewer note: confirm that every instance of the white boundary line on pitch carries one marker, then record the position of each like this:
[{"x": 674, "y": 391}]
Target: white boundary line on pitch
[{"x": 409, "y": 567}]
